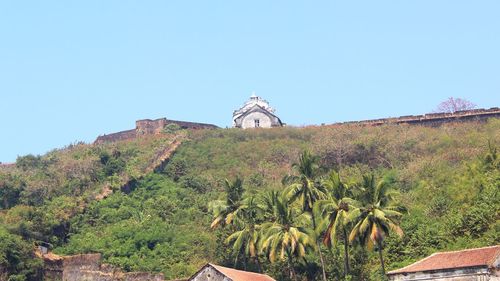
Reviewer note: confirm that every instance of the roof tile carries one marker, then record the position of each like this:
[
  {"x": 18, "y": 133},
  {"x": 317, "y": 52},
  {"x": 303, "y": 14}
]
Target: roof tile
[
  {"x": 238, "y": 275},
  {"x": 479, "y": 257}
]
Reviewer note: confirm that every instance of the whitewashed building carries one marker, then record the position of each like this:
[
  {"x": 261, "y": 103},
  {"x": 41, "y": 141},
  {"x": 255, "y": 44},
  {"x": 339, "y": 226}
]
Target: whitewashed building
[
  {"x": 482, "y": 264},
  {"x": 256, "y": 113}
]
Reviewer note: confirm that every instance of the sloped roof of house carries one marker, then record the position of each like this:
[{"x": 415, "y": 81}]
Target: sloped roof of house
[
  {"x": 254, "y": 108},
  {"x": 238, "y": 275},
  {"x": 254, "y": 100},
  {"x": 479, "y": 257}
]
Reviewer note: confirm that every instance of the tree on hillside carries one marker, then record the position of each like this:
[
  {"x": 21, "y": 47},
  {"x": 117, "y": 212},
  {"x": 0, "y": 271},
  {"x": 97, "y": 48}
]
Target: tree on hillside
[
  {"x": 10, "y": 190},
  {"x": 17, "y": 259},
  {"x": 269, "y": 200},
  {"x": 246, "y": 239},
  {"x": 243, "y": 214},
  {"x": 452, "y": 105},
  {"x": 305, "y": 189},
  {"x": 492, "y": 159},
  {"x": 226, "y": 211},
  {"x": 285, "y": 238},
  {"x": 378, "y": 216},
  {"x": 333, "y": 212}
]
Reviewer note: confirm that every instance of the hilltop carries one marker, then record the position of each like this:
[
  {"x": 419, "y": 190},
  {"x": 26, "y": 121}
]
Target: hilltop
[{"x": 146, "y": 209}]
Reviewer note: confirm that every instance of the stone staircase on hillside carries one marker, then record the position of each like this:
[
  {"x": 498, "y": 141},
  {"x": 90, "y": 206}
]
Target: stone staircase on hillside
[{"x": 157, "y": 163}]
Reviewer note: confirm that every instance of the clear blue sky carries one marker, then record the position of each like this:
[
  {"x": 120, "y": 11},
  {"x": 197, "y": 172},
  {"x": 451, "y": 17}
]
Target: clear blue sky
[{"x": 72, "y": 70}]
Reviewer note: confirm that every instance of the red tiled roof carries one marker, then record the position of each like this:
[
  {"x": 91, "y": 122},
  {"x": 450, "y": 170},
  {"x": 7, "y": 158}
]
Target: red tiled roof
[
  {"x": 481, "y": 257},
  {"x": 238, "y": 275}
]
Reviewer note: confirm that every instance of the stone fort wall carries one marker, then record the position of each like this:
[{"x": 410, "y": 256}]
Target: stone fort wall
[
  {"x": 89, "y": 267},
  {"x": 432, "y": 119},
  {"x": 151, "y": 127}
]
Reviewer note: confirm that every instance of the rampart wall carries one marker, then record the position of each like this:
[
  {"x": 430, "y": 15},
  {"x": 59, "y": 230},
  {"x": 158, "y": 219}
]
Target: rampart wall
[
  {"x": 192, "y": 125},
  {"x": 432, "y": 119},
  {"x": 123, "y": 135},
  {"x": 151, "y": 127}
]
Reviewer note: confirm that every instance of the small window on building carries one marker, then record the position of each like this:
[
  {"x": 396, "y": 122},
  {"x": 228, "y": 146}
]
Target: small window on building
[{"x": 257, "y": 123}]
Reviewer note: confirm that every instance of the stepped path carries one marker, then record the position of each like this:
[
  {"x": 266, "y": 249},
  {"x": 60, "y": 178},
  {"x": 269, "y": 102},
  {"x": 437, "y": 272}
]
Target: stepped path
[
  {"x": 157, "y": 163},
  {"x": 162, "y": 158}
]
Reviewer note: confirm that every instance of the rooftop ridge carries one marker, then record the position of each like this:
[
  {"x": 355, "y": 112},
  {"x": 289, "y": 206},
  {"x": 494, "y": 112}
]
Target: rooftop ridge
[
  {"x": 412, "y": 264},
  {"x": 466, "y": 250},
  {"x": 230, "y": 272},
  {"x": 429, "y": 264}
]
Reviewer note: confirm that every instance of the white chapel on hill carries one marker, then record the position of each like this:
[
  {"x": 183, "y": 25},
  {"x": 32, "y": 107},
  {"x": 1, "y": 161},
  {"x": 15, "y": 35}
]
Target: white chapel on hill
[{"x": 256, "y": 113}]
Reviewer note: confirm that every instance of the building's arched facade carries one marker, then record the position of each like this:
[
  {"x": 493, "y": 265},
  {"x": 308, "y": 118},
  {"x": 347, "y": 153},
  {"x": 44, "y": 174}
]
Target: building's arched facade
[{"x": 256, "y": 113}]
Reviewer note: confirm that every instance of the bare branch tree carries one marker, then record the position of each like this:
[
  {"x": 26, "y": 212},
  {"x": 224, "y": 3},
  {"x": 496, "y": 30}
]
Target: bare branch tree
[{"x": 452, "y": 105}]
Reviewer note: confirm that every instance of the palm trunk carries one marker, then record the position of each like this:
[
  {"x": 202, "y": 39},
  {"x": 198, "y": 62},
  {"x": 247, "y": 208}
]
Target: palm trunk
[
  {"x": 319, "y": 249},
  {"x": 236, "y": 260},
  {"x": 293, "y": 275},
  {"x": 322, "y": 261},
  {"x": 259, "y": 266},
  {"x": 244, "y": 261},
  {"x": 380, "y": 255},
  {"x": 346, "y": 254}
]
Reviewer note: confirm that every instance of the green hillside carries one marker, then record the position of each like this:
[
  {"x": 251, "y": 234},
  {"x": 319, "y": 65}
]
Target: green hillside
[{"x": 447, "y": 181}]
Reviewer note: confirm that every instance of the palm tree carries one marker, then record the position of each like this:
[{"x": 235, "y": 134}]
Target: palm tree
[
  {"x": 226, "y": 211},
  {"x": 284, "y": 238},
  {"x": 246, "y": 239},
  {"x": 304, "y": 188},
  {"x": 334, "y": 212},
  {"x": 269, "y": 200},
  {"x": 378, "y": 216}
]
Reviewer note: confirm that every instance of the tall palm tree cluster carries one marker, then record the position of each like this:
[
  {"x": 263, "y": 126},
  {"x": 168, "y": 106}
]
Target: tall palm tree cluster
[{"x": 311, "y": 212}]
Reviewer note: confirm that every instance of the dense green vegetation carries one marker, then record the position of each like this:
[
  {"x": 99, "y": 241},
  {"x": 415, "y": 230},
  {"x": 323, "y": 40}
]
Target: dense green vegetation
[
  {"x": 447, "y": 179},
  {"x": 159, "y": 227},
  {"x": 41, "y": 195}
]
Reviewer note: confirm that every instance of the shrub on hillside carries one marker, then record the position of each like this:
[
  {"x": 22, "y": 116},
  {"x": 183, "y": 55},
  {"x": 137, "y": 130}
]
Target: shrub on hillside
[{"x": 17, "y": 259}]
